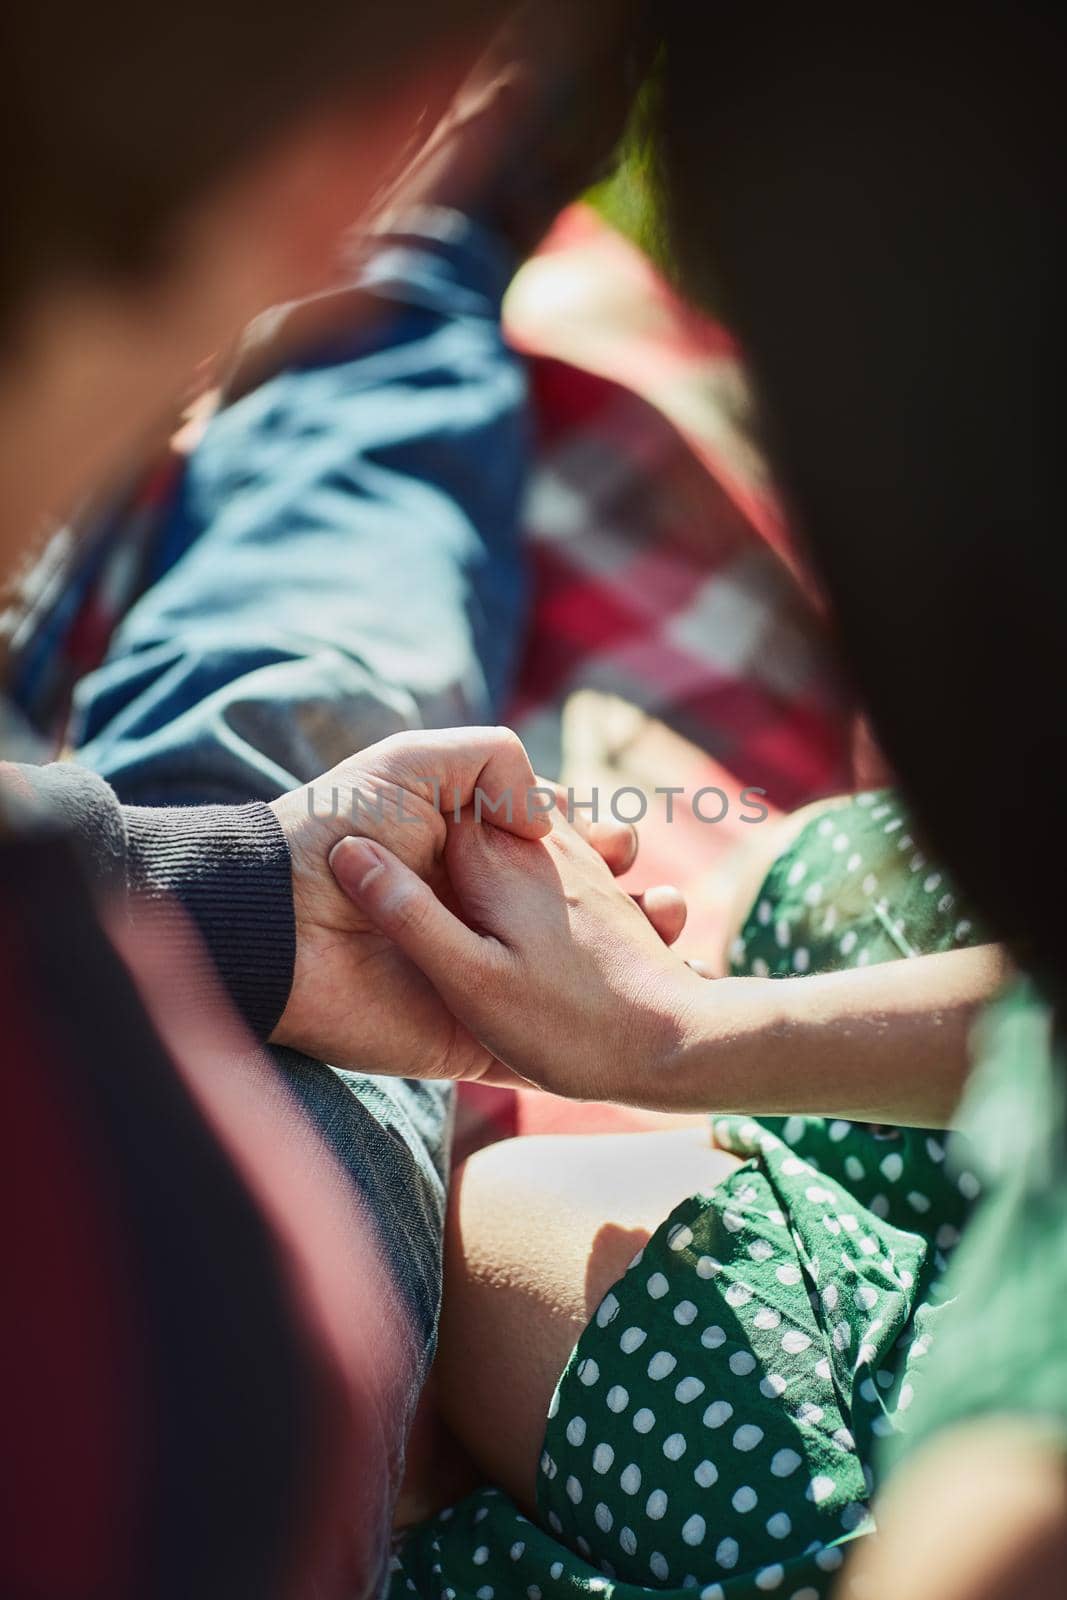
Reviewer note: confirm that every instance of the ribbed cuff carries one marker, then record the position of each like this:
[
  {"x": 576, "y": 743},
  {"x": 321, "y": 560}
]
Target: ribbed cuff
[{"x": 229, "y": 867}]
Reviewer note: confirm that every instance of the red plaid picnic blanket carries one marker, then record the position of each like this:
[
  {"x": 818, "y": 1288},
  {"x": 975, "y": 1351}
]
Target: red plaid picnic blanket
[
  {"x": 652, "y": 584},
  {"x": 664, "y": 568}
]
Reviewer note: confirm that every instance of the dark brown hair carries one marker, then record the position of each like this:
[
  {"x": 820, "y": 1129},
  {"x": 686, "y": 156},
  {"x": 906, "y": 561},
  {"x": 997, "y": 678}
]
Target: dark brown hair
[
  {"x": 874, "y": 199},
  {"x": 116, "y": 115}
]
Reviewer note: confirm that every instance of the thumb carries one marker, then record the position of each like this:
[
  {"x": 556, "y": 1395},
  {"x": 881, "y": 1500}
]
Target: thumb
[{"x": 399, "y": 904}]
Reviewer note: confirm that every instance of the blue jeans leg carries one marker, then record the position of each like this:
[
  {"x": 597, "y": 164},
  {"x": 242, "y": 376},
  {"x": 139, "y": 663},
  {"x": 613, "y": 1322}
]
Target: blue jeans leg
[
  {"x": 343, "y": 563},
  {"x": 344, "y": 554}
]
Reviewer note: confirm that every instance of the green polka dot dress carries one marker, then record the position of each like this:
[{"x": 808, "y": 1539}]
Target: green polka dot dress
[{"x": 715, "y": 1430}]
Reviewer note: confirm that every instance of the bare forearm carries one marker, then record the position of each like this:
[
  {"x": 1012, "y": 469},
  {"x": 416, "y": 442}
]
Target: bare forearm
[{"x": 880, "y": 1044}]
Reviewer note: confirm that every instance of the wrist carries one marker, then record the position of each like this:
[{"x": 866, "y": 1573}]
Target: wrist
[{"x": 731, "y": 1024}]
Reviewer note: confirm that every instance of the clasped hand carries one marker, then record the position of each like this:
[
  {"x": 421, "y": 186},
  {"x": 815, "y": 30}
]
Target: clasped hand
[{"x": 477, "y": 948}]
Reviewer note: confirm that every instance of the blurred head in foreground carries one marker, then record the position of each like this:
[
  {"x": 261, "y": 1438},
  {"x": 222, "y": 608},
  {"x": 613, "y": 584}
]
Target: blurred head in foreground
[{"x": 166, "y": 173}]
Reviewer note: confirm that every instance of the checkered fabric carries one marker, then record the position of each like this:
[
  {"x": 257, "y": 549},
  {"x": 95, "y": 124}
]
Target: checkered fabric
[{"x": 652, "y": 585}]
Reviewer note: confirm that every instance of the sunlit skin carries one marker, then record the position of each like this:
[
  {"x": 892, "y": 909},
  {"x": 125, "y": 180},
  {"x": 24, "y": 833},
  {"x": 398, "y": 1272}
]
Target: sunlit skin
[{"x": 357, "y": 999}]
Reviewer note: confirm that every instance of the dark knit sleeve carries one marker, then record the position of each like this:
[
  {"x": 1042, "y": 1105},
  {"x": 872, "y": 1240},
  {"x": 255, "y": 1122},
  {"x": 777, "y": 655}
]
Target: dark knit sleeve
[{"x": 227, "y": 867}]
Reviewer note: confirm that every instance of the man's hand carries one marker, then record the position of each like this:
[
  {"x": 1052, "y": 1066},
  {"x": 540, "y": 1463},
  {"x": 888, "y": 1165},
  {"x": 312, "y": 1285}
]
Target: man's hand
[
  {"x": 357, "y": 999},
  {"x": 549, "y": 965}
]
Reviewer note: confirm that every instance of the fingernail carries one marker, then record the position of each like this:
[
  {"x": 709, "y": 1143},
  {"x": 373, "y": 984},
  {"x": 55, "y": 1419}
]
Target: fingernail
[{"x": 355, "y": 862}]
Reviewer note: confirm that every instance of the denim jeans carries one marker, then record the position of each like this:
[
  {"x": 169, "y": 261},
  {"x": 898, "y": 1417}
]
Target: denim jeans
[{"x": 342, "y": 562}]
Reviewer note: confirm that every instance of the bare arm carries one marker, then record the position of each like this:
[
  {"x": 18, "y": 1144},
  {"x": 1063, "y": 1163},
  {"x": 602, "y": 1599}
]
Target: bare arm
[
  {"x": 880, "y": 1044},
  {"x": 558, "y": 974}
]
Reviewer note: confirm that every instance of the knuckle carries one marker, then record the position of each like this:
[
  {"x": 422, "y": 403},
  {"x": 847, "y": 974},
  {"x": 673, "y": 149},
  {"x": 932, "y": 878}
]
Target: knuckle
[
  {"x": 407, "y": 912},
  {"x": 507, "y": 740},
  {"x": 389, "y": 746}
]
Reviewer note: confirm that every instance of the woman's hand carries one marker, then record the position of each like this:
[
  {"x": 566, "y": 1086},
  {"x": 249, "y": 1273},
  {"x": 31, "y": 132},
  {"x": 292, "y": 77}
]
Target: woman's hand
[
  {"x": 554, "y": 971},
  {"x": 548, "y": 964},
  {"x": 357, "y": 1000}
]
